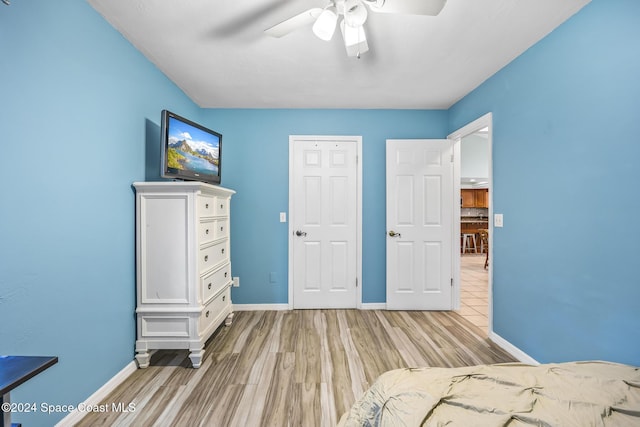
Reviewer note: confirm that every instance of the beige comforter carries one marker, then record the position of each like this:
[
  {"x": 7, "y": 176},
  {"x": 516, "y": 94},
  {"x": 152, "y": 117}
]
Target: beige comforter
[{"x": 568, "y": 394}]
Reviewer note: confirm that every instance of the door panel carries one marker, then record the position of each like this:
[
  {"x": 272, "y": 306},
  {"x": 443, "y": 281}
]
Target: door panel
[
  {"x": 419, "y": 224},
  {"x": 339, "y": 265},
  {"x": 312, "y": 200},
  {"x": 431, "y": 262},
  {"x": 432, "y": 191},
  {"x": 312, "y": 265}
]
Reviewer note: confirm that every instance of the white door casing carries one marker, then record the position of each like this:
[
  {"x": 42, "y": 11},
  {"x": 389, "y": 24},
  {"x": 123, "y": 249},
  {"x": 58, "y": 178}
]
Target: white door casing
[
  {"x": 324, "y": 227},
  {"x": 419, "y": 224},
  {"x": 486, "y": 121}
]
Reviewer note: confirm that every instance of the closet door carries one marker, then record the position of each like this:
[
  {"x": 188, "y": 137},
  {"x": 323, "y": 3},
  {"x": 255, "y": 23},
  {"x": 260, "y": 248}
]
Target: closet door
[{"x": 324, "y": 223}]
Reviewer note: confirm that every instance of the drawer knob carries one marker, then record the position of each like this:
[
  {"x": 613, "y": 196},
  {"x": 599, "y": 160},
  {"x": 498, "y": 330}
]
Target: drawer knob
[
  {"x": 221, "y": 228},
  {"x": 209, "y": 287},
  {"x": 207, "y": 315},
  {"x": 206, "y": 206},
  {"x": 206, "y": 231},
  {"x": 222, "y": 250},
  {"x": 206, "y": 258},
  {"x": 221, "y": 206},
  {"x": 225, "y": 274},
  {"x": 224, "y": 297}
]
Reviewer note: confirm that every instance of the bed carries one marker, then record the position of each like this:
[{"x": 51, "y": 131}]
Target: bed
[{"x": 566, "y": 394}]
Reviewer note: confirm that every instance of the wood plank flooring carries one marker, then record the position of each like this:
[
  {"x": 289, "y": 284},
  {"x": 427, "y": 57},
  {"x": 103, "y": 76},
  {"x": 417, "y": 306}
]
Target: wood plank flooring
[{"x": 291, "y": 368}]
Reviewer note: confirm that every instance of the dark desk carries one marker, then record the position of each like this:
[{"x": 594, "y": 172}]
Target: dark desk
[{"x": 15, "y": 370}]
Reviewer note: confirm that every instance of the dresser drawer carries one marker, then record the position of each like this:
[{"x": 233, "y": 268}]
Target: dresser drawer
[
  {"x": 213, "y": 255},
  {"x": 207, "y": 231},
  {"x": 213, "y": 230},
  {"x": 215, "y": 310},
  {"x": 213, "y": 282},
  {"x": 222, "y": 228},
  {"x": 221, "y": 208},
  {"x": 206, "y": 206}
]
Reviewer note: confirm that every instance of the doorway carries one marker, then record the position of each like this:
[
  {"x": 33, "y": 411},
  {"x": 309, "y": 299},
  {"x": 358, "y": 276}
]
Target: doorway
[
  {"x": 473, "y": 176},
  {"x": 325, "y": 205}
]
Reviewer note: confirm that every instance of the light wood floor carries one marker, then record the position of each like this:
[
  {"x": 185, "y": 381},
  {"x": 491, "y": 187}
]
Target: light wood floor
[{"x": 292, "y": 368}]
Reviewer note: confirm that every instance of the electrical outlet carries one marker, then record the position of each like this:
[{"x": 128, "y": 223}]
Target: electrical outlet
[
  {"x": 283, "y": 217},
  {"x": 236, "y": 282},
  {"x": 497, "y": 220}
]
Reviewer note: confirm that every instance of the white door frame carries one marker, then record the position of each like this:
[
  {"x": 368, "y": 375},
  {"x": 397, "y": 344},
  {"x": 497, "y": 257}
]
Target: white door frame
[
  {"x": 456, "y": 137},
  {"x": 328, "y": 139}
]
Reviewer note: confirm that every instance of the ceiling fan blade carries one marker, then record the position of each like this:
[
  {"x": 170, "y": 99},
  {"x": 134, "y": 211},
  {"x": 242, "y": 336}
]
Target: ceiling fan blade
[
  {"x": 408, "y": 7},
  {"x": 302, "y": 19}
]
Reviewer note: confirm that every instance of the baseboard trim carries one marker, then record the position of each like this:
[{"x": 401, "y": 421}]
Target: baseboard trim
[
  {"x": 260, "y": 307},
  {"x": 373, "y": 306},
  {"x": 512, "y": 349},
  {"x": 284, "y": 307},
  {"x": 75, "y": 416}
]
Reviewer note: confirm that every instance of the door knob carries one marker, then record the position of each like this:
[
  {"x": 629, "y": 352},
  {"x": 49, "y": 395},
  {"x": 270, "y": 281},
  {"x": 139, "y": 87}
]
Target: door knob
[
  {"x": 301, "y": 233},
  {"x": 394, "y": 234}
]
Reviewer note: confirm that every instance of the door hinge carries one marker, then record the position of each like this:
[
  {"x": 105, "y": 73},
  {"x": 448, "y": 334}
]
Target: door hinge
[
  {"x": 356, "y": 282},
  {"x": 452, "y": 158},
  {"x": 452, "y": 282}
]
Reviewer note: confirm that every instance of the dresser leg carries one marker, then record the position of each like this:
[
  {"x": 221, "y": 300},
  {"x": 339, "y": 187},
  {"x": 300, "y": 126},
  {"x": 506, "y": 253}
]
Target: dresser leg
[
  {"x": 143, "y": 358},
  {"x": 229, "y": 320},
  {"x": 196, "y": 357}
]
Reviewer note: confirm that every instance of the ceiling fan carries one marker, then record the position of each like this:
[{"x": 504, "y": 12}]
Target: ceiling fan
[{"x": 354, "y": 15}]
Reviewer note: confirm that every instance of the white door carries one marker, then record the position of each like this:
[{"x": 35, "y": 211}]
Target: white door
[
  {"x": 419, "y": 224},
  {"x": 324, "y": 216}
]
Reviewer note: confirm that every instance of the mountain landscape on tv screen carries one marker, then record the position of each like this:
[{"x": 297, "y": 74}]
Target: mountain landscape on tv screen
[{"x": 200, "y": 158}]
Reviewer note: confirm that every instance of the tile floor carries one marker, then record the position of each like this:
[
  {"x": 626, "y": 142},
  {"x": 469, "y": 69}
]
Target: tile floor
[{"x": 474, "y": 284}]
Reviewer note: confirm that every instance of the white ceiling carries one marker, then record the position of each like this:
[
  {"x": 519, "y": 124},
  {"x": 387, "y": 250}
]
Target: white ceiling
[{"x": 216, "y": 52}]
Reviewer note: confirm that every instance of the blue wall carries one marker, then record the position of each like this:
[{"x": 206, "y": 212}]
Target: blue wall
[
  {"x": 76, "y": 104},
  {"x": 566, "y": 155},
  {"x": 256, "y": 165}
]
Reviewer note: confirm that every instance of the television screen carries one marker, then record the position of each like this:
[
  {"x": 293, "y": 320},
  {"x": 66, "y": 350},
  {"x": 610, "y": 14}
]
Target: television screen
[{"x": 190, "y": 151}]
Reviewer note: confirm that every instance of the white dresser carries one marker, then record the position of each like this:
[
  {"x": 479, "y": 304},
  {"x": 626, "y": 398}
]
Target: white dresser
[{"x": 183, "y": 269}]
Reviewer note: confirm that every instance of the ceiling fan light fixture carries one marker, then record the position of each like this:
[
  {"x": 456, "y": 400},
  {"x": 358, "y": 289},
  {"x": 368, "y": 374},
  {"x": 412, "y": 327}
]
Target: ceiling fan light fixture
[
  {"x": 355, "y": 14},
  {"x": 355, "y": 39},
  {"x": 377, "y": 4},
  {"x": 325, "y": 25}
]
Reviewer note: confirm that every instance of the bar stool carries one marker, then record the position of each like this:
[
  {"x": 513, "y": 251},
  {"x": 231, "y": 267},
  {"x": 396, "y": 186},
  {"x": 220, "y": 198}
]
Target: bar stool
[
  {"x": 484, "y": 244},
  {"x": 467, "y": 239}
]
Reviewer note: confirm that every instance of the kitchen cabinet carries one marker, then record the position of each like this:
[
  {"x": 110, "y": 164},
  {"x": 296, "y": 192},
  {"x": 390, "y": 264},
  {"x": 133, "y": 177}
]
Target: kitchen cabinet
[
  {"x": 474, "y": 198},
  {"x": 468, "y": 198},
  {"x": 482, "y": 198}
]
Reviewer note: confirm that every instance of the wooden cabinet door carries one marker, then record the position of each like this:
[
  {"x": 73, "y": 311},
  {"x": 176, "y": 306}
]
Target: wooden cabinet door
[
  {"x": 482, "y": 198},
  {"x": 468, "y": 198}
]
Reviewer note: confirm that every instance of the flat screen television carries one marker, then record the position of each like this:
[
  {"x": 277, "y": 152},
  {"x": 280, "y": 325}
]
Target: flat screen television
[{"x": 189, "y": 150}]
